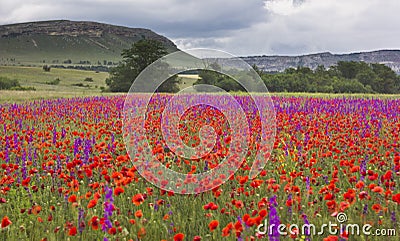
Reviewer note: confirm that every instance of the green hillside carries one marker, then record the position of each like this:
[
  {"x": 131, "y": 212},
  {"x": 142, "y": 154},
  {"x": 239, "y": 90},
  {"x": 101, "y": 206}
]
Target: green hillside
[
  {"x": 60, "y": 49},
  {"x": 67, "y": 42}
]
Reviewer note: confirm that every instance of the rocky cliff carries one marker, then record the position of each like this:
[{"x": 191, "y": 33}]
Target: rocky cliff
[
  {"x": 390, "y": 58},
  {"x": 75, "y": 28}
]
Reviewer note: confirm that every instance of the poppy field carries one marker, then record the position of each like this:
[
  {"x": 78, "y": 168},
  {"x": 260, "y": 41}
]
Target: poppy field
[{"x": 66, "y": 174}]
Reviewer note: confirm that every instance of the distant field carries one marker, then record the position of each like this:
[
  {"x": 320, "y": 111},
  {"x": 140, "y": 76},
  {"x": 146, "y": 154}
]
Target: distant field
[
  {"x": 187, "y": 80},
  {"x": 39, "y": 79},
  {"x": 36, "y": 77}
]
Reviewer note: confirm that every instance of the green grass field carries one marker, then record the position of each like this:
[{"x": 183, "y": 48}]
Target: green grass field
[
  {"x": 187, "y": 80},
  {"x": 10, "y": 96},
  {"x": 39, "y": 79}
]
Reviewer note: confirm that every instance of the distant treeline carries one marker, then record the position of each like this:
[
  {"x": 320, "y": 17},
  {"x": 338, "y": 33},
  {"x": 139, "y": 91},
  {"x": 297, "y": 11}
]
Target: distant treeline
[
  {"x": 345, "y": 77},
  {"x": 97, "y": 68}
]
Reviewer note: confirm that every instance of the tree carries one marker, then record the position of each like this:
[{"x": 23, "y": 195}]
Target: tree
[
  {"x": 348, "y": 69},
  {"x": 6, "y": 83},
  {"x": 388, "y": 81},
  {"x": 213, "y": 76},
  {"x": 46, "y": 68},
  {"x": 143, "y": 53},
  {"x": 259, "y": 71},
  {"x": 345, "y": 77}
]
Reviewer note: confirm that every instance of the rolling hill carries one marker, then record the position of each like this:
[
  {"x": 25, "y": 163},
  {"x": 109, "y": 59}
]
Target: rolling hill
[{"x": 69, "y": 42}]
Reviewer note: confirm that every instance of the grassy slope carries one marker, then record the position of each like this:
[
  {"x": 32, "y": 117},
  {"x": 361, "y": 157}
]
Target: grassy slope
[
  {"x": 36, "y": 77},
  {"x": 50, "y": 49}
]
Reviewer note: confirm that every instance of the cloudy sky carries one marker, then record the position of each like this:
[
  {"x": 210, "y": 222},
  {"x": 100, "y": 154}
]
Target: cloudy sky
[{"x": 252, "y": 27}]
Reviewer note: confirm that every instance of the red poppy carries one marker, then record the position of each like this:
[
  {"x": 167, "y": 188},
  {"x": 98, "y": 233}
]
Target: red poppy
[
  {"x": 112, "y": 231},
  {"x": 141, "y": 233},
  {"x": 226, "y": 231},
  {"x": 94, "y": 222},
  {"x": 72, "y": 231},
  {"x": 331, "y": 238},
  {"x": 179, "y": 237},
  {"x": 92, "y": 203},
  {"x": 329, "y": 196},
  {"x": 138, "y": 199},
  {"x": 263, "y": 213},
  {"x": 396, "y": 198},
  {"x": 5, "y": 222},
  {"x": 360, "y": 184},
  {"x": 378, "y": 189},
  {"x": 238, "y": 204},
  {"x": 72, "y": 199},
  {"x": 118, "y": 191},
  {"x": 213, "y": 225},
  {"x": 377, "y": 207},
  {"x": 211, "y": 206},
  {"x": 26, "y": 181},
  {"x": 36, "y": 209},
  {"x": 243, "y": 180},
  {"x": 139, "y": 214}
]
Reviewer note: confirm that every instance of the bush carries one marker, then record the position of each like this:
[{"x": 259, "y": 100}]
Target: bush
[
  {"x": 349, "y": 86},
  {"x": 46, "y": 68},
  {"x": 6, "y": 83},
  {"x": 88, "y": 79},
  {"x": 24, "y": 88},
  {"x": 54, "y": 82},
  {"x": 80, "y": 85}
]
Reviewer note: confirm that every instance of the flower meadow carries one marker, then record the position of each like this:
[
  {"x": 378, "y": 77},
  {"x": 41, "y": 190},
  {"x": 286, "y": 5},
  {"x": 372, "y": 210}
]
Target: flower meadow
[{"x": 66, "y": 174}]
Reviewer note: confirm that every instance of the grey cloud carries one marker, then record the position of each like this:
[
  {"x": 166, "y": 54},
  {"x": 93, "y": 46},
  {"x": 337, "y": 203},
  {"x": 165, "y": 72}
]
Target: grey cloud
[
  {"x": 241, "y": 27},
  {"x": 173, "y": 17}
]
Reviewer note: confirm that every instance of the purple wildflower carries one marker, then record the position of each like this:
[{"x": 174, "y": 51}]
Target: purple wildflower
[
  {"x": 305, "y": 219},
  {"x": 54, "y": 135},
  {"x": 363, "y": 168},
  {"x": 206, "y": 166},
  {"x": 308, "y": 183},
  {"x": 108, "y": 208},
  {"x": 365, "y": 210},
  {"x": 155, "y": 205},
  {"x": 81, "y": 221},
  {"x": 290, "y": 211},
  {"x": 393, "y": 218},
  {"x": 274, "y": 220}
]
